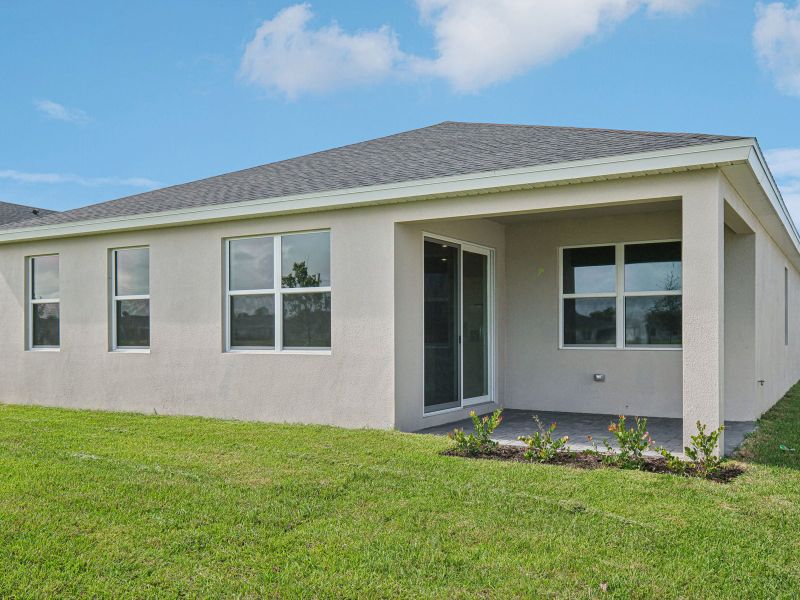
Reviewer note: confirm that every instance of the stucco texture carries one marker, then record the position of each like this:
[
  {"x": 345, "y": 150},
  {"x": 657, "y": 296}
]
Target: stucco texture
[
  {"x": 733, "y": 283},
  {"x": 186, "y": 371},
  {"x": 540, "y": 375}
]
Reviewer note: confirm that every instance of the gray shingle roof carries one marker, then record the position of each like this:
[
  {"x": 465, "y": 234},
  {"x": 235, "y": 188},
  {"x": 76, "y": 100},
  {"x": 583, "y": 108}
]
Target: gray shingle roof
[
  {"x": 12, "y": 213},
  {"x": 441, "y": 150}
]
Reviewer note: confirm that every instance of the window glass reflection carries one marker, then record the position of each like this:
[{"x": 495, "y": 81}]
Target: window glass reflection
[
  {"x": 133, "y": 323},
  {"x": 306, "y": 260},
  {"x": 253, "y": 321},
  {"x": 653, "y": 320},
  {"x": 45, "y": 319},
  {"x": 133, "y": 272},
  {"x": 307, "y": 320},
  {"x": 589, "y": 270},
  {"x": 44, "y": 277},
  {"x": 590, "y": 322},
  {"x": 653, "y": 267},
  {"x": 252, "y": 263}
]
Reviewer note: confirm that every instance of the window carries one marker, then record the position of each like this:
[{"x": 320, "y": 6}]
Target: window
[
  {"x": 640, "y": 281},
  {"x": 589, "y": 283},
  {"x": 130, "y": 303},
  {"x": 278, "y": 292},
  {"x": 43, "y": 305}
]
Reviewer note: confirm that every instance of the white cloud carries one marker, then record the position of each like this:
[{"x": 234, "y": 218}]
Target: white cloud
[
  {"x": 791, "y": 195},
  {"x": 478, "y": 43},
  {"x": 23, "y": 177},
  {"x": 785, "y": 166},
  {"x": 287, "y": 56},
  {"x": 59, "y": 112},
  {"x": 776, "y": 37},
  {"x": 672, "y": 6},
  {"x": 784, "y": 162}
]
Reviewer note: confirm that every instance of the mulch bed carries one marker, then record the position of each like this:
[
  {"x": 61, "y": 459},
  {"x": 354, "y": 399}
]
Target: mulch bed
[{"x": 588, "y": 460}]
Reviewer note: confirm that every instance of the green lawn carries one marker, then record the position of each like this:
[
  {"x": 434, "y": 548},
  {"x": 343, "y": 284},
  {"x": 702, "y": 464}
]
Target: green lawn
[
  {"x": 779, "y": 426},
  {"x": 121, "y": 505}
]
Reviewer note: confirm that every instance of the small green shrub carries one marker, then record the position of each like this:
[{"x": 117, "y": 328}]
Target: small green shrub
[
  {"x": 702, "y": 451},
  {"x": 675, "y": 464},
  {"x": 594, "y": 450},
  {"x": 542, "y": 446},
  {"x": 481, "y": 440},
  {"x": 464, "y": 442},
  {"x": 633, "y": 442}
]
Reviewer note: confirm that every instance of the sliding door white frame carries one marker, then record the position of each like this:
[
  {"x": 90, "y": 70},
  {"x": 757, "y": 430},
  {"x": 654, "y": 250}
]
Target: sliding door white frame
[{"x": 489, "y": 253}]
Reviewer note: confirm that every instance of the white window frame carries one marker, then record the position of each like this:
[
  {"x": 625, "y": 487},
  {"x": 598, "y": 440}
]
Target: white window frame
[
  {"x": 114, "y": 298},
  {"x": 619, "y": 294},
  {"x": 33, "y": 301},
  {"x": 277, "y": 291}
]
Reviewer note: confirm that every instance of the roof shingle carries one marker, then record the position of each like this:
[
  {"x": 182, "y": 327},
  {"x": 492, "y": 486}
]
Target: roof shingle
[
  {"x": 13, "y": 213},
  {"x": 445, "y": 149}
]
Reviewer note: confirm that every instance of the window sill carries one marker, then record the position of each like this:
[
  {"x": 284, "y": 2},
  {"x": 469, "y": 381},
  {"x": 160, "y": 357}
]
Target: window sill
[
  {"x": 131, "y": 351},
  {"x": 44, "y": 350},
  {"x": 255, "y": 351},
  {"x": 625, "y": 349}
]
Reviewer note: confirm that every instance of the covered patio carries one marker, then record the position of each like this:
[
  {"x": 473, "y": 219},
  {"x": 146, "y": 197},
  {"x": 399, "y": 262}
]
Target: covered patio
[
  {"x": 665, "y": 432},
  {"x": 634, "y": 300}
]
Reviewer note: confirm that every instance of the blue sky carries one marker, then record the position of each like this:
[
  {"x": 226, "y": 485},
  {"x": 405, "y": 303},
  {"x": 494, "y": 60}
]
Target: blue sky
[{"x": 106, "y": 99}]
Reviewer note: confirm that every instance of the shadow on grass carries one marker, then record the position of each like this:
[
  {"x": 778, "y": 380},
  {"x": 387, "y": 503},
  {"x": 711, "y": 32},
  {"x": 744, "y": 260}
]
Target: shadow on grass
[{"x": 776, "y": 439}]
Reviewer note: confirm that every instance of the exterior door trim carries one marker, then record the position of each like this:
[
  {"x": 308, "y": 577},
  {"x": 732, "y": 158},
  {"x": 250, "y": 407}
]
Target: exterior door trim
[{"x": 489, "y": 252}]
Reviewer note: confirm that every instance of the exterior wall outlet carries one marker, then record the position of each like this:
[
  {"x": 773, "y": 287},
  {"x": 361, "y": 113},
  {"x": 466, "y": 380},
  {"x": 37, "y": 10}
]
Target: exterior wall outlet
[{"x": 599, "y": 377}]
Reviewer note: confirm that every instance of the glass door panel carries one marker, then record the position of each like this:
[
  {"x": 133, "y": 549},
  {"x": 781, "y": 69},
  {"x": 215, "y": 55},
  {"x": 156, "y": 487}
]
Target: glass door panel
[
  {"x": 475, "y": 326},
  {"x": 441, "y": 305}
]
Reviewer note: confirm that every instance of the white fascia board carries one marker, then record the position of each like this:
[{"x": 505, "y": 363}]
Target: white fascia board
[
  {"x": 662, "y": 161},
  {"x": 758, "y": 164}
]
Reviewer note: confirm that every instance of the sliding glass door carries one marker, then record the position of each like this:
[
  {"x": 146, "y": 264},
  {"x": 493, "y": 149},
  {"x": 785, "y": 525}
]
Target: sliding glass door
[
  {"x": 458, "y": 324},
  {"x": 475, "y": 326},
  {"x": 442, "y": 361}
]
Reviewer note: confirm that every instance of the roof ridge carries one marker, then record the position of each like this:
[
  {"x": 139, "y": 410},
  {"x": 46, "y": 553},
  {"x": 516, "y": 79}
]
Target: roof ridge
[{"x": 603, "y": 129}]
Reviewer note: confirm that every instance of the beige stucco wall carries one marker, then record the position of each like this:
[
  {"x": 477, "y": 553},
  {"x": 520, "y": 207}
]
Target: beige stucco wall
[
  {"x": 740, "y": 327},
  {"x": 542, "y": 376},
  {"x": 776, "y": 363},
  {"x": 186, "y": 370},
  {"x": 373, "y": 375}
]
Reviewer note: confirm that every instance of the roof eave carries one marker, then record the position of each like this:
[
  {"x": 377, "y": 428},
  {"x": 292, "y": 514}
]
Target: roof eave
[
  {"x": 760, "y": 168},
  {"x": 612, "y": 167}
]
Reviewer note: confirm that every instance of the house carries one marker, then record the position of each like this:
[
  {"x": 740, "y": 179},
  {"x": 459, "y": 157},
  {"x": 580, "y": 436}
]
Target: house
[
  {"x": 404, "y": 281},
  {"x": 12, "y": 213}
]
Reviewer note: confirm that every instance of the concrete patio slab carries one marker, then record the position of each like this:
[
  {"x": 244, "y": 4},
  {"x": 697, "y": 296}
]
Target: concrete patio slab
[{"x": 665, "y": 432}]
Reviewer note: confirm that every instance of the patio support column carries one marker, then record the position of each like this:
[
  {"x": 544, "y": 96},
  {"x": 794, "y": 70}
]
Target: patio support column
[{"x": 703, "y": 309}]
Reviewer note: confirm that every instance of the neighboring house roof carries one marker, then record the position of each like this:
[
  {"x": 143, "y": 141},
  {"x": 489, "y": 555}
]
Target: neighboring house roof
[
  {"x": 443, "y": 150},
  {"x": 13, "y": 213}
]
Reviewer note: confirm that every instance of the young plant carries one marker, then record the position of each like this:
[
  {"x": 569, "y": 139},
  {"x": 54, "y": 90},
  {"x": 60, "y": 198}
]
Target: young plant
[
  {"x": 702, "y": 450},
  {"x": 633, "y": 442},
  {"x": 481, "y": 440},
  {"x": 674, "y": 463},
  {"x": 541, "y": 445},
  {"x": 594, "y": 450}
]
